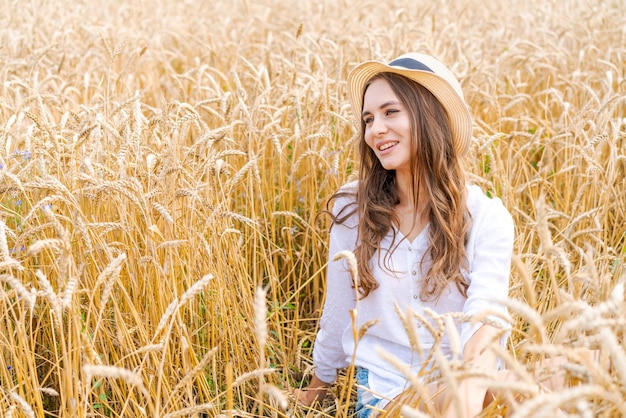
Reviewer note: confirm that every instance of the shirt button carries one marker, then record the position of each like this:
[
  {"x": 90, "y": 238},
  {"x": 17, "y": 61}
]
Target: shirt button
[
  {"x": 410, "y": 248},
  {"x": 414, "y": 296},
  {"x": 414, "y": 273}
]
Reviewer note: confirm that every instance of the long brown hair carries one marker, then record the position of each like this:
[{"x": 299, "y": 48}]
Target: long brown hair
[{"x": 438, "y": 174}]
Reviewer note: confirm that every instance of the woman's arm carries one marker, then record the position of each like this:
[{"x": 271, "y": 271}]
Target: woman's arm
[
  {"x": 470, "y": 395},
  {"x": 491, "y": 249}
]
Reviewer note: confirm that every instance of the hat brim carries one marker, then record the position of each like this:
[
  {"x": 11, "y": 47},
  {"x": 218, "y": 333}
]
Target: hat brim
[{"x": 458, "y": 113}]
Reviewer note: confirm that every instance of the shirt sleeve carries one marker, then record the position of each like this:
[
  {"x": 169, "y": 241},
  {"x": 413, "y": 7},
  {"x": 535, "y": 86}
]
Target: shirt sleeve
[
  {"x": 328, "y": 352},
  {"x": 493, "y": 235}
]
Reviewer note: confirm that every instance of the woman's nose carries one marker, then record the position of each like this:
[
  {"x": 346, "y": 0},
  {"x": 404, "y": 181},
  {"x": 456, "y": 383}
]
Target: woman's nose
[{"x": 379, "y": 126}]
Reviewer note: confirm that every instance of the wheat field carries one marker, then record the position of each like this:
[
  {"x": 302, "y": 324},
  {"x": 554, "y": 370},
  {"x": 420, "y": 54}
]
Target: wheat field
[{"x": 162, "y": 164}]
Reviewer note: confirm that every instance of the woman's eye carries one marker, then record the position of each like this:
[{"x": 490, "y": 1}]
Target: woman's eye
[
  {"x": 368, "y": 120},
  {"x": 390, "y": 111}
]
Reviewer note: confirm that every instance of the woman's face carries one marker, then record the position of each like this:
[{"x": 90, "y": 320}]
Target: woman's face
[{"x": 387, "y": 126}]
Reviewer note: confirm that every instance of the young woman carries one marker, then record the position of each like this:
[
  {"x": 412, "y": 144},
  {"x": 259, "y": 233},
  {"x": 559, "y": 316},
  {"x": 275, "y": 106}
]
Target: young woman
[{"x": 422, "y": 238}]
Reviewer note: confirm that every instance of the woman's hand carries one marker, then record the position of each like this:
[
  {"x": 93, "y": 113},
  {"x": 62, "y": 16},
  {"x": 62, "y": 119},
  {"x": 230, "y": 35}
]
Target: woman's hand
[
  {"x": 308, "y": 396},
  {"x": 470, "y": 392},
  {"x": 315, "y": 392},
  {"x": 470, "y": 396}
]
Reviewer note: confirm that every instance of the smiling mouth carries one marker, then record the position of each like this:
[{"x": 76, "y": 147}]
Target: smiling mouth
[{"x": 387, "y": 146}]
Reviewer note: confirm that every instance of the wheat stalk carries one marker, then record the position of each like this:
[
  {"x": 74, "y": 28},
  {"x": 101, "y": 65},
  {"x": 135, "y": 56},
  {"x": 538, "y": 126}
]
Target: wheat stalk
[
  {"x": 28, "y": 297},
  {"x": 190, "y": 411},
  {"x": 114, "y": 372},
  {"x": 109, "y": 275},
  {"x": 258, "y": 373},
  {"x": 22, "y": 404},
  {"x": 195, "y": 289},
  {"x": 277, "y": 395},
  {"x": 50, "y": 294}
]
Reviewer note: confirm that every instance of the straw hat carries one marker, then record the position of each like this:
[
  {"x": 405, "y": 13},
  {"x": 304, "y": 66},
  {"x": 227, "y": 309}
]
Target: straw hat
[{"x": 431, "y": 74}]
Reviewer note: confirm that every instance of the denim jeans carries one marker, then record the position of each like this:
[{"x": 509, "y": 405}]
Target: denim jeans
[{"x": 365, "y": 400}]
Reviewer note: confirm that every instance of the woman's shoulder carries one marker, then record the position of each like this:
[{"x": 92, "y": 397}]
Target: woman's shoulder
[
  {"x": 482, "y": 206},
  {"x": 344, "y": 202},
  {"x": 492, "y": 226},
  {"x": 346, "y": 195},
  {"x": 349, "y": 187}
]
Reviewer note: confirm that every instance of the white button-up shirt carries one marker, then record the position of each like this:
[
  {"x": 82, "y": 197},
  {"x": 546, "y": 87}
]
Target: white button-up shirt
[{"x": 489, "y": 251}]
